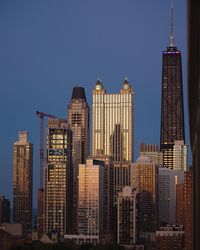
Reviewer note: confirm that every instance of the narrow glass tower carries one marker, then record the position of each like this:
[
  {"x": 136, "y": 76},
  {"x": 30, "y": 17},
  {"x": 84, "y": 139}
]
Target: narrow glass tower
[{"x": 172, "y": 113}]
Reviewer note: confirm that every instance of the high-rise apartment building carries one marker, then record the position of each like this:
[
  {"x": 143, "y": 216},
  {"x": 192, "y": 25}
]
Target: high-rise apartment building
[
  {"x": 172, "y": 113},
  {"x": 152, "y": 151},
  {"x": 112, "y": 129},
  {"x": 144, "y": 179},
  {"x": 78, "y": 118},
  {"x": 4, "y": 210},
  {"x": 180, "y": 156},
  {"x": 58, "y": 177},
  {"x": 91, "y": 199},
  {"x": 23, "y": 181},
  {"x": 127, "y": 216}
]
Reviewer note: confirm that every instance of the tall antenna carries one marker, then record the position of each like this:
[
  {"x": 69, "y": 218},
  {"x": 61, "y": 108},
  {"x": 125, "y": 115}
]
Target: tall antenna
[{"x": 171, "y": 25}]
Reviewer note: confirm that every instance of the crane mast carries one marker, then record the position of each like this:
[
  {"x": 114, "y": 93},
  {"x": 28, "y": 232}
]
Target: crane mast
[{"x": 40, "y": 226}]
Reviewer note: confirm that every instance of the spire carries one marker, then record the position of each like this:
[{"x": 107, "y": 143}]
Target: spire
[{"x": 171, "y": 25}]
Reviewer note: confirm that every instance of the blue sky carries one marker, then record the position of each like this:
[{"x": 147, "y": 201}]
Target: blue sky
[{"x": 48, "y": 46}]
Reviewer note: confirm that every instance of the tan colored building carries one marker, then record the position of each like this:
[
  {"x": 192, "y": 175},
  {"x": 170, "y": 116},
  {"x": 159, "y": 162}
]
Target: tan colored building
[
  {"x": 113, "y": 130},
  {"x": 23, "y": 181},
  {"x": 108, "y": 196},
  {"x": 78, "y": 118},
  {"x": 58, "y": 177},
  {"x": 112, "y": 122},
  {"x": 91, "y": 199}
]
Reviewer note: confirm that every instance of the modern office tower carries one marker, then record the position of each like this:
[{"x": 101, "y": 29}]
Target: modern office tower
[
  {"x": 108, "y": 196},
  {"x": 170, "y": 237},
  {"x": 126, "y": 216},
  {"x": 188, "y": 209},
  {"x": 152, "y": 151},
  {"x": 167, "y": 181},
  {"x": 180, "y": 204},
  {"x": 194, "y": 107},
  {"x": 78, "y": 118},
  {"x": 58, "y": 177},
  {"x": 112, "y": 129},
  {"x": 23, "y": 181},
  {"x": 172, "y": 113},
  {"x": 145, "y": 179},
  {"x": 91, "y": 199},
  {"x": 180, "y": 156},
  {"x": 4, "y": 210}
]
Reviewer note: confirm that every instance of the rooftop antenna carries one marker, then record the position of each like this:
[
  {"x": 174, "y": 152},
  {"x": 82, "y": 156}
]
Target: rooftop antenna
[{"x": 171, "y": 25}]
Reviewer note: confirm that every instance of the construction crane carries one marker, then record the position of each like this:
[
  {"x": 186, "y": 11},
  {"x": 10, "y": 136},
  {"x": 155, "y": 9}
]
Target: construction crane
[{"x": 40, "y": 227}]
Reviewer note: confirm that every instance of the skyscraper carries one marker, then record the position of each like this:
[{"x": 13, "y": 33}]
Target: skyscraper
[
  {"x": 108, "y": 196},
  {"x": 112, "y": 129},
  {"x": 91, "y": 199},
  {"x": 167, "y": 181},
  {"x": 180, "y": 156},
  {"x": 78, "y": 118},
  {"x": 23, "y": 181},
  {"x": 126, "y": 216},
  {"x": 152, "y": 151},
  {"x": 4, "y": 210},
  {"x": 144, "y": 179},
  {"x": 172, "y": 113},
  {"x": 58, "y": 176}
]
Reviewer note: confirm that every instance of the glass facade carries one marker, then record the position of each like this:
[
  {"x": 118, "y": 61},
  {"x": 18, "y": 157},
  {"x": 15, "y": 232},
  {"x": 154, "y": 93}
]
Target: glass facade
[
  {"x": 58, "y": 177},
  {"x": 23, "y": 181},
  {"x": 91, "y": 199},
  {"x": 145, "y": 179}
]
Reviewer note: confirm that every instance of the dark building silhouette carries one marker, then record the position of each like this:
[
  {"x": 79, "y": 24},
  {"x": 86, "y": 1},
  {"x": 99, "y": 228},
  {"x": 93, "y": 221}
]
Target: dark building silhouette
[
  {"x": 172, "y": 113},
  {"x": 4, "y": 210},
  {"x": 188, "y": 209},
  {"x": 194, "y": 109},
  {"x": 78, "y": 118}
]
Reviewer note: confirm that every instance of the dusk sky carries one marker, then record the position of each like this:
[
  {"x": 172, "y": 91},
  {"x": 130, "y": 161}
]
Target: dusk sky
[{"x": 48, "y": 46}]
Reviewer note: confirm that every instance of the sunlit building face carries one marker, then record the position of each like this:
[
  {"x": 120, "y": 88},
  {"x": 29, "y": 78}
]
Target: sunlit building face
[
  {"x": 112, "y": 122},
  {"x": 91, "y": 199},
  {"x": 23, "y": 181},
  {"x": 57, "y": 176}
]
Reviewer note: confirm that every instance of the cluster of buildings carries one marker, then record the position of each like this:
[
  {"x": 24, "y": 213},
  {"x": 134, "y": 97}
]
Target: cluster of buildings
[{"x": 108, "y": 196}]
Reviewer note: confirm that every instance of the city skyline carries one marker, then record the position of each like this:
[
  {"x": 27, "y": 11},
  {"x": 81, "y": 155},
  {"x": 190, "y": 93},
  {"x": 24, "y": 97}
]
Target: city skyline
[{"x": 114, "y": 77}]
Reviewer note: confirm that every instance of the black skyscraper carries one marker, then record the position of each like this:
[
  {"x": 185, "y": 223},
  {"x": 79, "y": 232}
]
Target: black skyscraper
[{"x": 172, "y": 114}]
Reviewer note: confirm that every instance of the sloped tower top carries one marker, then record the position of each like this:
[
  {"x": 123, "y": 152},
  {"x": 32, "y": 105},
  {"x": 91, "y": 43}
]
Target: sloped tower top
[{"x": 78, "y": 93}]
